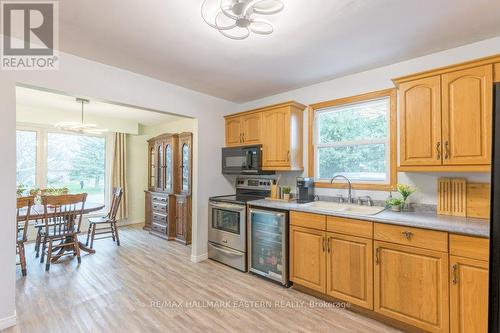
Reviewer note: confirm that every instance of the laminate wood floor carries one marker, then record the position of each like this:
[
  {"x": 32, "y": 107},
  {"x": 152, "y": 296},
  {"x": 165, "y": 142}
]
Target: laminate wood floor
[{"x": 150, "y": 285}]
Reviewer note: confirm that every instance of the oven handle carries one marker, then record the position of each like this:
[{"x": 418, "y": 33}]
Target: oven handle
[
  {"x": 226, "y": 251},
  {"x": 227, "y": 206}
]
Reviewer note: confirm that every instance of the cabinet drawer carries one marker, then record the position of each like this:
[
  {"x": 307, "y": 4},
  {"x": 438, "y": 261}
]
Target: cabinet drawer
[
  {"x": 159, "y": 198},
  {"x": 307, "y": 220},
  {"x": 159, "y": 218},
  {"x": 159, "y": 228},
  {"x": 470, "y": 247},
  {"x": 160, "y": 207},
  {"x": 349, "y": 227},
  {"x": 426, "y": 239}
]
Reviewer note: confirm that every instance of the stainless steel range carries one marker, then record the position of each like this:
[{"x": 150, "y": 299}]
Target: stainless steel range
[{"x": 227, "y": 221}]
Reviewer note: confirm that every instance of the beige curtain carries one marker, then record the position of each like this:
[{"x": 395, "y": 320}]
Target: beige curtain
[{"x": 119, "y": 173}]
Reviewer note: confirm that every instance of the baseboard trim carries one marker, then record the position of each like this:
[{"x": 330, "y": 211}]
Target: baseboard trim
[
  {"x": 7, "y": 322},
  {"x": 199, "y": 258}
]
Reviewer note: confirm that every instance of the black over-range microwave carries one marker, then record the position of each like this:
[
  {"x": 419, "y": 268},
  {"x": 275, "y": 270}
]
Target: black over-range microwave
[{"x": 242, "y": 160}]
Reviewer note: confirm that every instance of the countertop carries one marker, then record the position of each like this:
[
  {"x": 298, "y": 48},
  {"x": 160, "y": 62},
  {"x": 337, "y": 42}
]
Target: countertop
[{"x": 453, "y": 224}]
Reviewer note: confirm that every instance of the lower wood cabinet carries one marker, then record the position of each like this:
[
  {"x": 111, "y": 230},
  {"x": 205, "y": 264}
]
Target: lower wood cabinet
[
  {"x": 308, "y": 257},
  {"x": 411, "y": 285},
  {"x": 183, "y": 218},
  {"x": 468, "y": 295},
  {"x": 350, "y": 269}
]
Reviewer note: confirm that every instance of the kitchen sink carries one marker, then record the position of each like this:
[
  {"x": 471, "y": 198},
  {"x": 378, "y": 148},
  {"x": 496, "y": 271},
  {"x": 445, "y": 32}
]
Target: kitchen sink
[{"x": 343, "y": 208}]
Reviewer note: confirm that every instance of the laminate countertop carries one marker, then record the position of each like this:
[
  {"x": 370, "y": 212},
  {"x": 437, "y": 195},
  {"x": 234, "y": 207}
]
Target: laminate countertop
[{"x": 453, "y": 224}]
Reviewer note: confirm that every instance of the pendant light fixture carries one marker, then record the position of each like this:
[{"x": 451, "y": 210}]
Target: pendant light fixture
[
  {"x": 236, "y": 19},
  {"x": 80, "y": 127}
]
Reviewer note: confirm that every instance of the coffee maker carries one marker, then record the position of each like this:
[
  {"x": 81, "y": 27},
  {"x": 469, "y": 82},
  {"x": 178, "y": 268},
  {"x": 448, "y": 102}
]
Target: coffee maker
[{"x": 305, "y": 189}]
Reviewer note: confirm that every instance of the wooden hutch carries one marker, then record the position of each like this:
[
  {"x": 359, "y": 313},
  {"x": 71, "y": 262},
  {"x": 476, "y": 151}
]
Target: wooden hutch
[{"x": 168, "y": 198}]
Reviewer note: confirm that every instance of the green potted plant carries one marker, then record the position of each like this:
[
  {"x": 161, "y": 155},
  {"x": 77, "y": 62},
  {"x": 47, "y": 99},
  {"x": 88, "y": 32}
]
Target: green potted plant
[
  {"x": 286, "y": 193},
  {"x": 394, "y": 204},
  {"x": 405, "y": 191},
  {"x": 20, "y": 190}
]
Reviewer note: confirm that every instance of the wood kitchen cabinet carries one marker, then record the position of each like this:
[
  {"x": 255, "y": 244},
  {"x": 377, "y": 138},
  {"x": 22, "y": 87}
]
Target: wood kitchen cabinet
[
  {"x": 244, "y": 129},
  {"x": 411, "y": 285},
  {"x": 446, "y": 118},
  {"x": 278, "y": 128},
  {"x": 308, "y": 257},
  {"x": 350, "y": 269},
  {"x": 469, "y": 257},
  {"x": 468, "y": 295},
  {"x": 420, "y": 121},
  {"x": 467, "y": 116}
]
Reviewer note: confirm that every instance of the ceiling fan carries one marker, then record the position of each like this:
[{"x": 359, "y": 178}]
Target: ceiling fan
[{"x": 236, "y": 19}]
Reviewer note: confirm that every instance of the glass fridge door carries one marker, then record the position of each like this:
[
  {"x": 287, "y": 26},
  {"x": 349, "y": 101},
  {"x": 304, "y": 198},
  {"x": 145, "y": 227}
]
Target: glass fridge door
[{"x": 268, "y": 244}]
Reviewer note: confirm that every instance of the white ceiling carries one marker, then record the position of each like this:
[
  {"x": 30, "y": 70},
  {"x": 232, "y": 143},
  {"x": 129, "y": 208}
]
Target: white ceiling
[
  {"x": 43, "y": 100},
  {"x": 314, "y": 40}
]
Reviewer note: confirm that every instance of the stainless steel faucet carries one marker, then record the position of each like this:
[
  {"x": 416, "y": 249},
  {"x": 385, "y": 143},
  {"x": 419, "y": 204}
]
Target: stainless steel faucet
[{"x": 349, "y": 198}]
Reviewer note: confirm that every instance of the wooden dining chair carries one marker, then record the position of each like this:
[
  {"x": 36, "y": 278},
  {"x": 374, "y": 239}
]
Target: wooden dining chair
[
  {"x": 40, "y": 225},
  {"x": 106, "y": 225},
  {"x": 62, "y": 218},
  {"x": 24, "y": 205}
]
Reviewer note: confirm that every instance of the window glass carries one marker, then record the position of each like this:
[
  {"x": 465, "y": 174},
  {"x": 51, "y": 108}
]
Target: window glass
[
  {"x": 26, "y": 157},
  {"x": 185, "y": 167},
  {"x": 352, "y": 140},
  {"x": 78, "y": 163}
]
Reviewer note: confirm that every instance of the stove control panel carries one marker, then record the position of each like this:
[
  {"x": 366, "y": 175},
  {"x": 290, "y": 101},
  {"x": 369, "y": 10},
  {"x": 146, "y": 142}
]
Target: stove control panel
[{"x": 254, "y": 183}]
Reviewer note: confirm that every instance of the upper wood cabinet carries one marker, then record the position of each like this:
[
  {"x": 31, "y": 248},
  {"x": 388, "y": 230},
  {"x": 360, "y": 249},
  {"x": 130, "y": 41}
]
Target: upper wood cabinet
[
  {"x": 467, "y": 113},
  {"x": 420, "y": 121},
  {"x": 278, "y": 128},
  {"x": 497, "y": 72},
  {"x": 445, "y": 118},
  {"x": 411, "y": 285}
]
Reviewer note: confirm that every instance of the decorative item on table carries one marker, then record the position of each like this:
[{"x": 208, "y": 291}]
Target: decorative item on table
[
  {"x": 405, "y": 191},
  {"x": 37, "y": 192},
  {"x": 21, "y": 189}
]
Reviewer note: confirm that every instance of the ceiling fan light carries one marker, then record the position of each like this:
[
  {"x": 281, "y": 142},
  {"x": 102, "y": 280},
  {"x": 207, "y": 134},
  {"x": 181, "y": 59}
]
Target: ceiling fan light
[
  {"x": 261, "y": 27},
  {"x": 261, "y": 8},
  {"x": 246, "y": 33}
]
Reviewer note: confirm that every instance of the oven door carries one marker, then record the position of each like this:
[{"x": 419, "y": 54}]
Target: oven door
[
  {"x": 227, "y": 225},
  {"x": 241, "y": 160}
]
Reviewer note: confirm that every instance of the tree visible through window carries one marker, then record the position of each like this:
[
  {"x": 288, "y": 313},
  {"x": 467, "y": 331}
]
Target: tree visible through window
[
  {"x": 78, "y": 163},
  {"x": 353, "y": 140}
]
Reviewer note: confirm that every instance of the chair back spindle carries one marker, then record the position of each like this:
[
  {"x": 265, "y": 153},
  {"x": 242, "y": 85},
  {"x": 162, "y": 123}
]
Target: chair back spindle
[
  {"x": 115, "y": 203},
  {"x": 24, "y": 205}
]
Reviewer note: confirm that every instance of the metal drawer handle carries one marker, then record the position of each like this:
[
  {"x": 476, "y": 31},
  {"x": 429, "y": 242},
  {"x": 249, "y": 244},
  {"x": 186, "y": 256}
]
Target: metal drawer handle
[
  {"x": 407, "y": 234},
  {"x": 324, "y": 241},
  {"x": 329, "y": 245},
  {"x": 438, "y": 148},
  {"x": 377, "y": 255},
  {"x": 446, "y": 150}
]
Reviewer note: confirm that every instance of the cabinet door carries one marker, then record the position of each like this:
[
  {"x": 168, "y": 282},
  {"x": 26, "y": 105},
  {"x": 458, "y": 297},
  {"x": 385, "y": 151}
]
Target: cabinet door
[
  {"x": 308, "y": 258},
  {"x": 420, "y": 122},
  {"x": 468, "y": 295},
  {"x": 467, "y": 113},
  {"x": 251, "y": 128},
  {"x": 186, "y": 161},
  {"x": 159, "y": 166},
  {"x": 233, "y": 131},
  {"x": 411, "y": 285},
  {"x": 180, "y": 230},
  {"x": 350, "y": 269},
  {"x": 276, "y": 138}
]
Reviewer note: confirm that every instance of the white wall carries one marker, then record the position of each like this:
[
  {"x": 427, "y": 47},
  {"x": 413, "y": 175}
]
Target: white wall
[
  {"x": 83, "y": 78},
  {"x": 378, "y": 79}
]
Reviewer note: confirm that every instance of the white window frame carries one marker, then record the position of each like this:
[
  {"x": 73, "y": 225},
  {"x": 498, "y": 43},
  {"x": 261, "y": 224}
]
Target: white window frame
[
  {"x": 41, "y": 170},
  {"x": 387, "y": 141}
]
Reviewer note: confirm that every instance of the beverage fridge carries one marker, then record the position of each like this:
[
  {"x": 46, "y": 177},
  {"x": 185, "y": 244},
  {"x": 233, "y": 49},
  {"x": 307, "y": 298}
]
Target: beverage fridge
[{"x": 268, "y": 244}]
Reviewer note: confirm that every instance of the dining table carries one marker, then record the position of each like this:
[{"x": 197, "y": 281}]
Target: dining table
[{"x": 37, "y": 213}]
